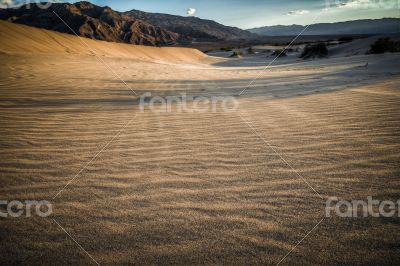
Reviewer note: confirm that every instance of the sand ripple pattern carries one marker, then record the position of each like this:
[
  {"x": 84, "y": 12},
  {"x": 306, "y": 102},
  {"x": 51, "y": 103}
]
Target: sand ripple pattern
[{"x": 191, "y": 188}]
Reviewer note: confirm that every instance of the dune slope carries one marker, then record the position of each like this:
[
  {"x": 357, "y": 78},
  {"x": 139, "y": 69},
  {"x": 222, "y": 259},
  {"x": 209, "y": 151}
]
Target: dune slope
[
  {"x": 187, "y": 188},
  {"x": 15, "y": 38}
]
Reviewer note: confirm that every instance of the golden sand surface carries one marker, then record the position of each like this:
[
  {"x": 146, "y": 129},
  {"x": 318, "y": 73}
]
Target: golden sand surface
[{"x": 242, "y": 187}]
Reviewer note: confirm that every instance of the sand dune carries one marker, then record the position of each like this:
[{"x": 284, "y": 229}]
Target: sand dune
[
  {"x": 194, "y": 188},
  {"x": 358, "y": 47},
  {"x": 16, "y": 38}
]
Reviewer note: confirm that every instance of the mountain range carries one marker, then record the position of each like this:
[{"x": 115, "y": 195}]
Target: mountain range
[
  {"x": 192, "y": 27},
  {"x": 364, "y": 26},
  {"x": 135, "y": 27},
  {"x": 91, "y": 21},
  {"x": 156, "y": 29}
]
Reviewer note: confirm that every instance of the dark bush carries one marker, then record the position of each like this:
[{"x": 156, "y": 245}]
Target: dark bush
[
  {"x": 345, "y": 39},
  {"x": 383, "y": 45},
  {"x": 236, "y": 54},
  {"x": 267, "y": 51},
  {"x": 318, "y": 50},
  {"x": 226, "y": 49},
  {"x": 250, "y": 50},
  {"x": 279, "y": 52}
]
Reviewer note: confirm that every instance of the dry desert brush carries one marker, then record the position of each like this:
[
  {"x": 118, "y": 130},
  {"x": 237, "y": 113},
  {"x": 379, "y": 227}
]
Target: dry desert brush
[
  {"x": 317, "y": 50},
  {"x": 279, "y": 53},
  {"x": 384, "y": 45}
]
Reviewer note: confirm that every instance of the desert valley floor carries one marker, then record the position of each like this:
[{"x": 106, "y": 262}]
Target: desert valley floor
[{"x": 240, "y": 187}]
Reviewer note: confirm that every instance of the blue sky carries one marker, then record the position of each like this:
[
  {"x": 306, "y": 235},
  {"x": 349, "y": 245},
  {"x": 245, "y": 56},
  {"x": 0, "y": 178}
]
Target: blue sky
[{"x": 254, "y": 13}]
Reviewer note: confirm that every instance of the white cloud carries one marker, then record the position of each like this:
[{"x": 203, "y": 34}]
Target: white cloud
[
  {"x": 6, "y": 3},
  {"x": 190, "y": 12},
  {"x": 297, "y": 12}
]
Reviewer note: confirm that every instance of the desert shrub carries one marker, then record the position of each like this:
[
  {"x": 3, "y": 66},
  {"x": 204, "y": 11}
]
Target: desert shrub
[
  {"x": 250, "y": 50},
  {"x": 332, "y": 43},
  {"x": 383, "y": 45},
  {"x": 226, "y": 49},
  {"x": 266, "y": 51},
  {"x": 345, "y": 39},
  {"x": 236, "y": 54},
  {"x": 314, "y": 50},
  {"x": 279, "y": 52}
]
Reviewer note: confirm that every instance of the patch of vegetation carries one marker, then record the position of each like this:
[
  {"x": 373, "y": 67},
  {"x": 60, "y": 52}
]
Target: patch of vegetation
[
  {"x": 226, "y": 49},
  {"x": 266, "y": 51},
  {"x": 236, "y": 54},
  {"x": 383, "y": 45},
  {"x": 250, "y": 50},
  {"x": 317, "y": 50},
  {"x": 345, "y": 39},
  {"x": 279, "y": 53}
]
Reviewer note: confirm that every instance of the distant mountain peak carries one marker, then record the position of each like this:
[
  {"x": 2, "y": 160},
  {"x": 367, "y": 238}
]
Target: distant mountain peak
[
  {"x": 362, "y": 26},
  {"x": 192, "y": 27},
  {"x": 91, "y": 21},
  {"x": 135, "y": 27},
  {"x": 84, "y": 4}
]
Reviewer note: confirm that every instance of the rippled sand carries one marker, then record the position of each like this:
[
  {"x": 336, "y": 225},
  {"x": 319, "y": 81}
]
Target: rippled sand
[{"x": 198, "y": 188}]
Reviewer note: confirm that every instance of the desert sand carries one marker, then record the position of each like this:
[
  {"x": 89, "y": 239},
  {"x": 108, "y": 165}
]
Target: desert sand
[{"x": 239, "y": 188}]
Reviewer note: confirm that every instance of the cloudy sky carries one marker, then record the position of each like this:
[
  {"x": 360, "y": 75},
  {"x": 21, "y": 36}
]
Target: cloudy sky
[{"x": 254, "y": 13}]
